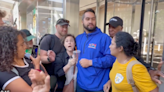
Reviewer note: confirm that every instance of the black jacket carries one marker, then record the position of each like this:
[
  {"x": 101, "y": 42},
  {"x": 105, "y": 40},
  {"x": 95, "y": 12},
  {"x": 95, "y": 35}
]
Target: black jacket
[{"x": 60, "y": 61}]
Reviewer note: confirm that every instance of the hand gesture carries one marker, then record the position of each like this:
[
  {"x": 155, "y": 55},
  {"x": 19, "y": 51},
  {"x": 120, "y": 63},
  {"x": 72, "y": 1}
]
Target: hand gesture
[
  {"x": 85, "y": 63},
  {"x": 40, "y": 82},
  {"x": 36, "y": 61},
  {"x": 43, "y": 88},
  {"x": 72, "y": 61},
  {"x": 36, "y": 77},
  {"x": 51, "y": 55},
  {"x": 107, "y": 86},
  {"x": 155, "y": 75}
]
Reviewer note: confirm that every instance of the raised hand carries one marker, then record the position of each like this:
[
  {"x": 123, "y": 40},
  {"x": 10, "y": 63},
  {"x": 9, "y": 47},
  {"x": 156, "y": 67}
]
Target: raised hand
[{"x": 51, "y": 55}]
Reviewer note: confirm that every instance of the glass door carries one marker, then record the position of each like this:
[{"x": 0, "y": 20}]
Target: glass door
[{"x": 153, "y": 29}]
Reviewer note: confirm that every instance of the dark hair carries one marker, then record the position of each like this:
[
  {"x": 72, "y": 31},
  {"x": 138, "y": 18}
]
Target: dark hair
[
  {"x": 2, "y": 13},
  {"x": 8, "y": 46},
  {"x": 125, "y": 40},
  {"x": 68, "y": 36},
  {"x": 88, "y": 10}
]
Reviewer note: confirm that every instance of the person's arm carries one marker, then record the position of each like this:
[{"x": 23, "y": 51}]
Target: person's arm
[
  {"x": 107, "y": 60},
  {"x": 40, "y": 81},
  {"x": 156, "y": 74},
  {"x": 13, "y": 82},
  {"x": 45, "y": 71},
  {"x": 18, "y": 85},
  {"x": 142, "y": 79},
  {"x": 155, "y": 90},
  {"x": 60, "y": 67},
  {"x": 70, "y": 63},
  {"x": 46, "y": 55},
  {"x": 107, "y": 86},
  {"x": 43, "y": 88}
]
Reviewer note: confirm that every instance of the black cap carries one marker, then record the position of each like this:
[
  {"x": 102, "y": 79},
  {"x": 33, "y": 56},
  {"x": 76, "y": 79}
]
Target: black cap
[
  {"x": 115, "y": 21},
  {"x": 62, "y": 21}
]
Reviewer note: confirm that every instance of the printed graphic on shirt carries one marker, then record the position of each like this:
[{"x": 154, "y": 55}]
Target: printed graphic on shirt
[
  {"x": 92, "y": 45},
  {"x": 118, "y": 78}
]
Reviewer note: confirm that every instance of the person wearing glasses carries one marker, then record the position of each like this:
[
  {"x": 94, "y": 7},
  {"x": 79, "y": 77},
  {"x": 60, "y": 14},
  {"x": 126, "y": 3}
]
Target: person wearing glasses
[
  {"x": 49, "y": 52},
  {"x": 2, "y": 15}
]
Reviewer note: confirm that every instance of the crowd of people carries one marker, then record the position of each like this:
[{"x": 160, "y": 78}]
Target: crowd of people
[{"x": 101, "y": 66}]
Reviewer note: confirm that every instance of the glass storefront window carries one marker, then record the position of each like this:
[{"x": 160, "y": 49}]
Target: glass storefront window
[
  {"x": 43, "y": 18},
  {"x": 130, "y": 12}
]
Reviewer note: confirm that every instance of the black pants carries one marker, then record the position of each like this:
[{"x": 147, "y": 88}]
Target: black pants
[{"x": 53, "y": 81}]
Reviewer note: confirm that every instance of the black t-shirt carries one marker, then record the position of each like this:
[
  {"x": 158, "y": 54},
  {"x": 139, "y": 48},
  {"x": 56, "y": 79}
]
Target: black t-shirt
[
  {"x": 7, "y": 77},
  {"x": 46, "y": 45}
]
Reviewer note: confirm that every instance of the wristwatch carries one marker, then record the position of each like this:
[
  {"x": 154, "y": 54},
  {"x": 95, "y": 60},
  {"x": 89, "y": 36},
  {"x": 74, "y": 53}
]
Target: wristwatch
[{"x": 48, "y": 59}]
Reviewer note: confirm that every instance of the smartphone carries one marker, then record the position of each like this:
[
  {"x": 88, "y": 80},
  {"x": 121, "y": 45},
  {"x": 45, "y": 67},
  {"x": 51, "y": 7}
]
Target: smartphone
[
  {"x": 34, "y": 51},
  {"x": 161, "y": 87}
]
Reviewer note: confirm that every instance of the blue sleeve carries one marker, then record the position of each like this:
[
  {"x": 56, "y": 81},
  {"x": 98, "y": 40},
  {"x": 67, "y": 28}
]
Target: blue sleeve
[{"x": 107, "y": 60}]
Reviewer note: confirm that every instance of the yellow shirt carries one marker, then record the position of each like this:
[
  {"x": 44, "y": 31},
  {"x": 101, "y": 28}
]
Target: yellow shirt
[{"x": 140, "y": 75}]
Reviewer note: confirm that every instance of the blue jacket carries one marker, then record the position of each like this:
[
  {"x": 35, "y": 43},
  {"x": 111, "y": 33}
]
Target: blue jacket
[{"x": 94, "y": 46}]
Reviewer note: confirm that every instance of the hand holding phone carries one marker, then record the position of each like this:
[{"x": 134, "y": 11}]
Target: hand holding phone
[{"x": 34, "y": 51}]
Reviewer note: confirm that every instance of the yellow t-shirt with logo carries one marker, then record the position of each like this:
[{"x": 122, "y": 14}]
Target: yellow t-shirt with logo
[{"x": 140, "y": 75}]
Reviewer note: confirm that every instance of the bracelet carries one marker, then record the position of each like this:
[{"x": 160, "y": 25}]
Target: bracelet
[{"x": 38, "y": 70}]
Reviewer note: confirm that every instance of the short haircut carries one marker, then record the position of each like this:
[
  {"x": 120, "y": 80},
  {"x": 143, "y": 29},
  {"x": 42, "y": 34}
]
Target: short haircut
[
  {"x": 88, "y": 10},
  {"x": 2, "y": 14},
  {"x": 69, "y": 35}
]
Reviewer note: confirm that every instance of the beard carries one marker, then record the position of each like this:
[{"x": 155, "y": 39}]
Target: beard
[{"x": 89, "y": 29}]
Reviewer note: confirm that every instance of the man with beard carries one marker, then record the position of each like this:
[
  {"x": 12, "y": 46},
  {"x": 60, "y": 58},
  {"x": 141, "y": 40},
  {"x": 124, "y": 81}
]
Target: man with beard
[
  {"x": 49, "y": 54},
  {"x": 95, "y": 60}
]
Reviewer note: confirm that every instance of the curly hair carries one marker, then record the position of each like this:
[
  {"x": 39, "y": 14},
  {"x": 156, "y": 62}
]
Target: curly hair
[
  {"x": 8, "y": 46},
  {"x": 2, "y": 13}
]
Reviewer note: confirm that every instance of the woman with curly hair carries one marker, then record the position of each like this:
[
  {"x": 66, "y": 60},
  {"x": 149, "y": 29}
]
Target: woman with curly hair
[{"x": 14, "y": 68}]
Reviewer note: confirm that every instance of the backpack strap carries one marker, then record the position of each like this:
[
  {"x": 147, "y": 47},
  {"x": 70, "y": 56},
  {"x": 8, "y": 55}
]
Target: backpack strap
[
  {"x": 52, "y": 43},
  {"x": 129, "y": 75},
  {"x": 15, "y": 71}
]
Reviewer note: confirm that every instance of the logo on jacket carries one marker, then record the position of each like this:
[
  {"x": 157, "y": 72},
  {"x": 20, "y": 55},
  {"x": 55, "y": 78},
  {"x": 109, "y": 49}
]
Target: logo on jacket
[{"x": 92, "y": 45}]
